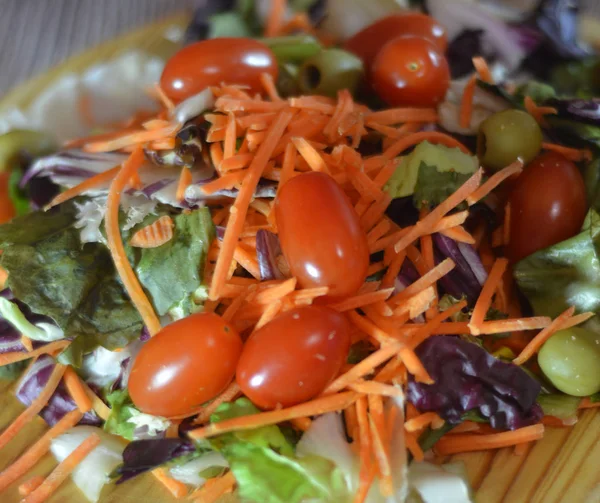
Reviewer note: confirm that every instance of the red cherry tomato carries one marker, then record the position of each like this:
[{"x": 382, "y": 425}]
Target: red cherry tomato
[
  {"x": 367, "y": 42},
  {"x": 320, "y": 235},
  {"x": 186, "y": 364},
  {"x": 7, "y": 209},
  {"x": 547, "y": 205},
  {"x": 410, "y": 71},
  {"x": 211, "y": 62},
  {"x": 294, "y": 357}
]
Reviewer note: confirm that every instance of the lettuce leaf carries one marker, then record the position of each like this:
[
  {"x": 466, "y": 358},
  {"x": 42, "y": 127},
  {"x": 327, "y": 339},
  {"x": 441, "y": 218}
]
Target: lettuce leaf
[
  {"x": 266, "y": 468},
  {"x": 122, "y": 410},
  {"x": 434, "y": 186},
  {"x": 565, "y": 274}
]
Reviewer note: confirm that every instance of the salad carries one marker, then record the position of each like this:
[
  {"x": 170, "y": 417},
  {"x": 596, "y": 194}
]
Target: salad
[{"x": 342, "y": 242}]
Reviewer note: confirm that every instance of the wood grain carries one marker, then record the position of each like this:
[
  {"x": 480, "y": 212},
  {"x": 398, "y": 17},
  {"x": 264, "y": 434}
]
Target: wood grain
[{"x": 563, "y": 467}]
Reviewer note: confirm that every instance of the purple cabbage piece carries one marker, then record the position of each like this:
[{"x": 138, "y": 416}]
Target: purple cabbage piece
[
  {"x": 143, "y": 455},
  {"x": 10, "y": 339},
  {"x": 468, "y": 378},
  {"x": 468, "y": 276},
  {"x": 580, "y": 110},
  {"x": 402, "y": 211},
  {"x": 59, "y": 404},
  {"x": 269, "y": 255}
]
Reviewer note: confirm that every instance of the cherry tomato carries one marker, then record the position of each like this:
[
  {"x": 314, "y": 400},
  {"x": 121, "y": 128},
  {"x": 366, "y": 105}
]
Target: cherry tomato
[
  {"x": 294, "y": 357},
  {"x": 186, "y": 364},
  {"x": 367, "y": 42},
  {"x": 410, "y": 71},
  {"x": 7, "y": 209},
  {"x": 320, "y": 233},
  {"x": 547, "y": 205},
  {"x": 211, "y": 62}
]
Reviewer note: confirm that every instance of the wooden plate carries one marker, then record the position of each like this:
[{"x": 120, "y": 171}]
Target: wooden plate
[{"x": 562, "y": 468}]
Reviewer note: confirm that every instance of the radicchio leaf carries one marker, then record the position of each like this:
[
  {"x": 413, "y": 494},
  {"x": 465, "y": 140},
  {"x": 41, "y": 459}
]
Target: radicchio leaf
[
  {"x": 59, "y": 404},
  {"x": 467, "y": 378},
  {"x": 269, "y": 256}
]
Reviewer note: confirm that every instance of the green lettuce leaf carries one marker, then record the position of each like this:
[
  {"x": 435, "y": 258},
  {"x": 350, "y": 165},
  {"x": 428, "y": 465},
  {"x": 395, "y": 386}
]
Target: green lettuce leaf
[
  {"x": 559, "y": 405},
  {"x": 563, "y": 275},
  {"x": 444, "y": 164},
  {"x": 122, "y": 409},
  {"x": 265, "y": 467}
]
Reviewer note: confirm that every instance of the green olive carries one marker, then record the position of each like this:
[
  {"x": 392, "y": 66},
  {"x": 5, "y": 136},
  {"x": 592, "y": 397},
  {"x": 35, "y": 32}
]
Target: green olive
[
  {"x": 570, "y": 359},
  {"x": 506, "y": 136},
  {"x": 329, "y": 71},
  {"x": 15, "y": 142}
]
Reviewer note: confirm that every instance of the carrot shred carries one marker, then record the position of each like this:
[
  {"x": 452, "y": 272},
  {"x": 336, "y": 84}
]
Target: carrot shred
[
  {"x": 216, "y": 154},
  {"x": 365, "y": 449},
  {"x": 77, "y": 391},
  {"x": 176, "y": 488},
  {"x": 240, "y": 206},
  {"x": 376, "y": 388},
  {"x": 269, "y": 313},
  {"x": 483, "y": 70},
  {"x": 225, "y": 182},
  {"x": 98, "y": 406},
  {"x": 422, "y": 421},
  {"x": 27, "y": 344},
  {"x": 36, "y": 406},
  {"x": 495, "y": 180},
  {"x": 115, "y": 243},
  {"x": 310, "y": 154},
  {"x": 538, "y": 112},
  {"x": 214, "y": 488},
  {"x": 319, "y": 405},
  {"x": 414, "y": 366},
  {"x": 90, "y": 183},
  {"x": 230, "y": 137},
  {"x": 266, "y": 79},
  {"x": 573, "y": 154},
  {"x": 185, "y": 180},
  {"x": 375, "y": 212},
  {"x": 277, "y": 292},
  {"x": 425, "y": 281},
  {"x": 163, "y": 98},
  {"x": 466, "y": 104},
  {"x": 30, "y": 485},
  {"x": 586, "y": 403},
  {"x": 484, "y": 301},
  {"x": 17, "y": 356},
  {"x": 248, "y": 105},
  {"x": 413, "y": 446},
  {"x": 454, "y": 444},
  {"x": 361, "y": 300},
  {"x": 538, "y": 341},
  {"x": 243, "y": 257},
  {"x": 276, "y": 18},
  {"x": 417, "y": 304},
  {"x": 381, "y": 454},
  {"x": 131, "y": 139},
  {"x": 63, "y": 470},
  {"x": 369, "y": 328},
  {"x": 459, "y": 234},
  {"x": 154, "y": 235},
  {"x": 398, "y": 115}
]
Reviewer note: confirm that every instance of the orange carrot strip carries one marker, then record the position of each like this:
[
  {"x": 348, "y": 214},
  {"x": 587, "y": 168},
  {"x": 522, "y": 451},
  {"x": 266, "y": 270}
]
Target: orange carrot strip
[
  {"x": 130, "y": 139},
  {"x": 382, "y": 456},
  {"x": 432, "y": 325},
  {"x": 90, "y": 183},
  {"x": 214, "y": 488},
  {"x": 287, "y": 169},
  {"x": 240, "y": 105},
  {"x": 495, "y": 180},
  {"x": 417, "y": 304},
  {"x": 425, "y": 281},
  {"x": 63, "y": 470},
  {"x": 243, "y": 257},
  {"x": 576, "y": 320},
  {"x": 414, "y": 366},
  {"x": 361, "y": 300},
  {"x": 421, "y": 421},
  {"x": 397, "y": 115},
  {"x": 228, "y": 181},
  {"x": 77, "y": 391},
  {"x": 422, "y": 226},
  {"x": 17, "y": 356},
  {"x": 235, "y": 162},
  {"x": 459, "y": 234},
  {"x": 319, "y": 405},
  {"x": 154, "y": 235},
  {"x": 378, "y": 231},
  {"x": 310, "y": 155},
  {"x": 483, "y": 70},
  {"x": 240, "y": 206},
  {"x": 586, "y": 403},
  {"x": 342, "y": 109},
  {"x": 30, "y": 485},
  {"x": 176, "y": 488},
  {"x": 216, "y": 154},
  {"x": 164, "y": 99},
  {"x": 34, "y": 453},
  {"x": 98, "y": 406},
  {"x": 277, "y": 292},
  {"x": 309, "y": 294},
  {"x": 466, "y": 104},
  {"x": 406, "y": 142},
  {"x": 363, "y": 368},
  {"x": 376, "y": 388},
  {"x": 230, "y": 393},
  {"x": 27, "y": 344},
  {"x": 369, "y": 328},
  {"x": 115, "y": 243},
  {"x": 269, "y": 313},
  {"x": 256, "y": 121},
  {"x": 413, "y": 446},
  {"x": 538, "y": 112},
  {"x": 538, "y": 341},
  {"x": 573, "y": 154},
  {"x": 375, "y": 212},
  {"x": 268, "y": 84},
  {"x": 454, "y": 444},
  {"x": 484, "y": 301},
  {"x": 393, "y": 270},
  {"x": 366, "y": 462},
  {"x": 276, "y": 18},
  {"x": 230, "y": 138},
  {"x": 513, "y": 325},
  {"x": 185, "y": 179},
  {"x": 36, "y": 406}
]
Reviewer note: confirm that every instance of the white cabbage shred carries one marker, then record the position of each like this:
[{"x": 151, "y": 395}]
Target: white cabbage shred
[
  {"x": 46, "y": 332},
  {"x": 189, "y": 473},
  {"x": 93, "y": 472}
]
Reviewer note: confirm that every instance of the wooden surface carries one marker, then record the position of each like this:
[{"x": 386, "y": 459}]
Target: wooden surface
[{"x": 562, "y": 468}]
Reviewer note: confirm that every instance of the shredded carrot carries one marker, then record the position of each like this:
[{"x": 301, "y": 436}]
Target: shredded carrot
[
  {"x": 27, "y": 344},
  {"x": 421, "y": 421},
  {"x": 483, "y": 70},
  {"x": 30, "y": 485},
  {"x": 538, "y": 341},
  {"x": 538, "y": 112},
  {"x": 406, "y": 142},
  {"x": 131, "y": 139},
  {"x": 36, "y": 406},
  {"x": 459, "y": 234},
  {"x": 245, "y": 258},
  {"x": 382, "y": 456},
  {"x": 230, "y": 137},
  {"x": 375, "y": 212},
  {"x": 176, "y": 488},
  {"x": 576, "y": 320},
  {"x": 276, "y": 292},
  {"x": 365, "y": 449},
  {"x": 90, "y": 183},
  {"x": 17, "y": 356},
  {"x": 77, "y": 391},
  {"x": 318, "y": 406},
  {"x": 454, "y": 444},
  {"x": 235, "y": 162},
  {"x": 214, "y": 488},
  {"x": 362, "y": 300},
  {"x": 266, "y": 79},
  {"x": 216, "y": 154},
  {"x": 376, "y": 388},
  {"x": 247, "y": 105},
  {"x": 269, "y": 313},
  {"x": 586, "y": 403},
  {"x": 225, "y": 182},
  {"x": 240, "y": 206},
  {"x": 343, "y": 108},
  {"x": 301, "y": 423},
  {"x": 398, "y": 115},
  {"x": 484, "y": 301},
  {"x": 63, "y": 470},
  {"x": 32, "y": 455},
  {"x": 513, "y": 325},
  {"x": 413, "y": 446},
  {"x": 415, "y": 366},
  {"x": 417, "y": 304},
  {"x": 154, "y": 235},
  {"x": 310, "y": 154},
  {"x": 164, "y": 99},
  {"x": 425, "y": 281},
  {"x": 276, "y": 18},
  {"x": 466, "y": 104},
  {"x": 98, "y": 406},
  {"x": 495, "y": 180},
  {"x": 363, "y": 324},
  {"x": 115, "y": 243},
  {"x": 573, "y": 154},
  {"x": 185, "y": 180}
]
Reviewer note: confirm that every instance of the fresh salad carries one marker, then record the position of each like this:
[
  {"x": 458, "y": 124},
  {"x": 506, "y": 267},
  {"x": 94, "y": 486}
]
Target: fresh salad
[{"x": 342, "y": 242}]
